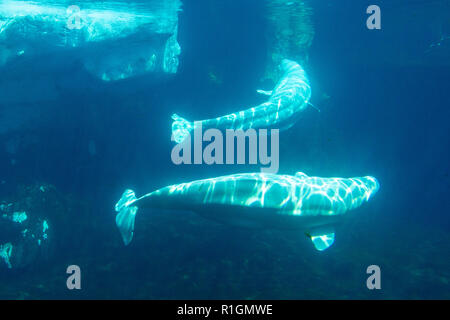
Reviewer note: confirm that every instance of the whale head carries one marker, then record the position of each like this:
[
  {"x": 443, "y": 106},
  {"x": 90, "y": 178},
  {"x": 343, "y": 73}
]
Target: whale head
[{"x": 372, "y": 184}]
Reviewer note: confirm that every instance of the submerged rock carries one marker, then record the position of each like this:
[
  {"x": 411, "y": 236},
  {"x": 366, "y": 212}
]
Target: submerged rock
[
  {"x": 27, "y": 224},
  {"x": 47, "y": 54},
  {"x": 113, "y": 40}
]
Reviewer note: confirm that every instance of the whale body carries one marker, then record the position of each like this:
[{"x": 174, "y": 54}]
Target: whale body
[
  {"x": 290, "y": 96},
  {"x": 312, "y": 205}
]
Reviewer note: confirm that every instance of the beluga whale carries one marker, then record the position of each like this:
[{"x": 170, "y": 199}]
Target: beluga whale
[
  {"x": 290, "y": 96},
  {"x": 311, "y": 205}
]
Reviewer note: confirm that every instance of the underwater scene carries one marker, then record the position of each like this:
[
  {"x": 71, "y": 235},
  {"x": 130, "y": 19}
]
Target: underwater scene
[{"x": 224, "y": 149}]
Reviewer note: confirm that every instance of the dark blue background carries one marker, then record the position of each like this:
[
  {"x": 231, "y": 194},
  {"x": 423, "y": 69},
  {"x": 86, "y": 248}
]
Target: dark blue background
[{"x": 387, "y": 118}]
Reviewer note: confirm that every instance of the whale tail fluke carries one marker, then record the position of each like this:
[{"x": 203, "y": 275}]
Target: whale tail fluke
[
  {"x": 126, "y": 214},
  {"x": 181, "y": 128}
]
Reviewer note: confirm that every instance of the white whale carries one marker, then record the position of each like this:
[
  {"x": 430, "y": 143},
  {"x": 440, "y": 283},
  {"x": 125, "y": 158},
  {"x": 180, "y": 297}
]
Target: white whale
[
  {"x": 290, "y": 96},
  {"x": 311, "y": 205}
]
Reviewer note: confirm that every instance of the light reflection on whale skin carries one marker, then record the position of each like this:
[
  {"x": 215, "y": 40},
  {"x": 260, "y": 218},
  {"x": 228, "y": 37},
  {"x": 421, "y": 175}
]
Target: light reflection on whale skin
[
  {"x": 257, "y": 199},
  {"x": 290, "y": 96}
]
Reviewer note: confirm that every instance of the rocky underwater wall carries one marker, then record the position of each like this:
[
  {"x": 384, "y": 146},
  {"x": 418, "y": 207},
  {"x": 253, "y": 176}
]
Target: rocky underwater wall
[{"x": 113, "y": 40}]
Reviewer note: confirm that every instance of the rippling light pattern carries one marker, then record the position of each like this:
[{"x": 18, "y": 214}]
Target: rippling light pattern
[
  {"x": 19, "y": 217},
  {"x": 297, "y": 196},
  {"x": 290, "y": 96},
  {"x": 100, "y": 19},
  {"x": 292, "y": 195}
]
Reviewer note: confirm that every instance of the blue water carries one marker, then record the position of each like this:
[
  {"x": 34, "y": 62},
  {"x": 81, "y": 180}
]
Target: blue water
[{"x": 384, "y": 105}]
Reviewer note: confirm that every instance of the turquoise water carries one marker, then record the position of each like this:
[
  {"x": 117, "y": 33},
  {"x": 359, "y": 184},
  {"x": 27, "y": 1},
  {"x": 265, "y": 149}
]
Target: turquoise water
[{"x": 85, "y": 113}]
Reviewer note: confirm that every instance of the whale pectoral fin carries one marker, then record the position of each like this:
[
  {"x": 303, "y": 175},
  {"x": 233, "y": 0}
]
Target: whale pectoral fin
[{"x": 322, "y": 241}]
